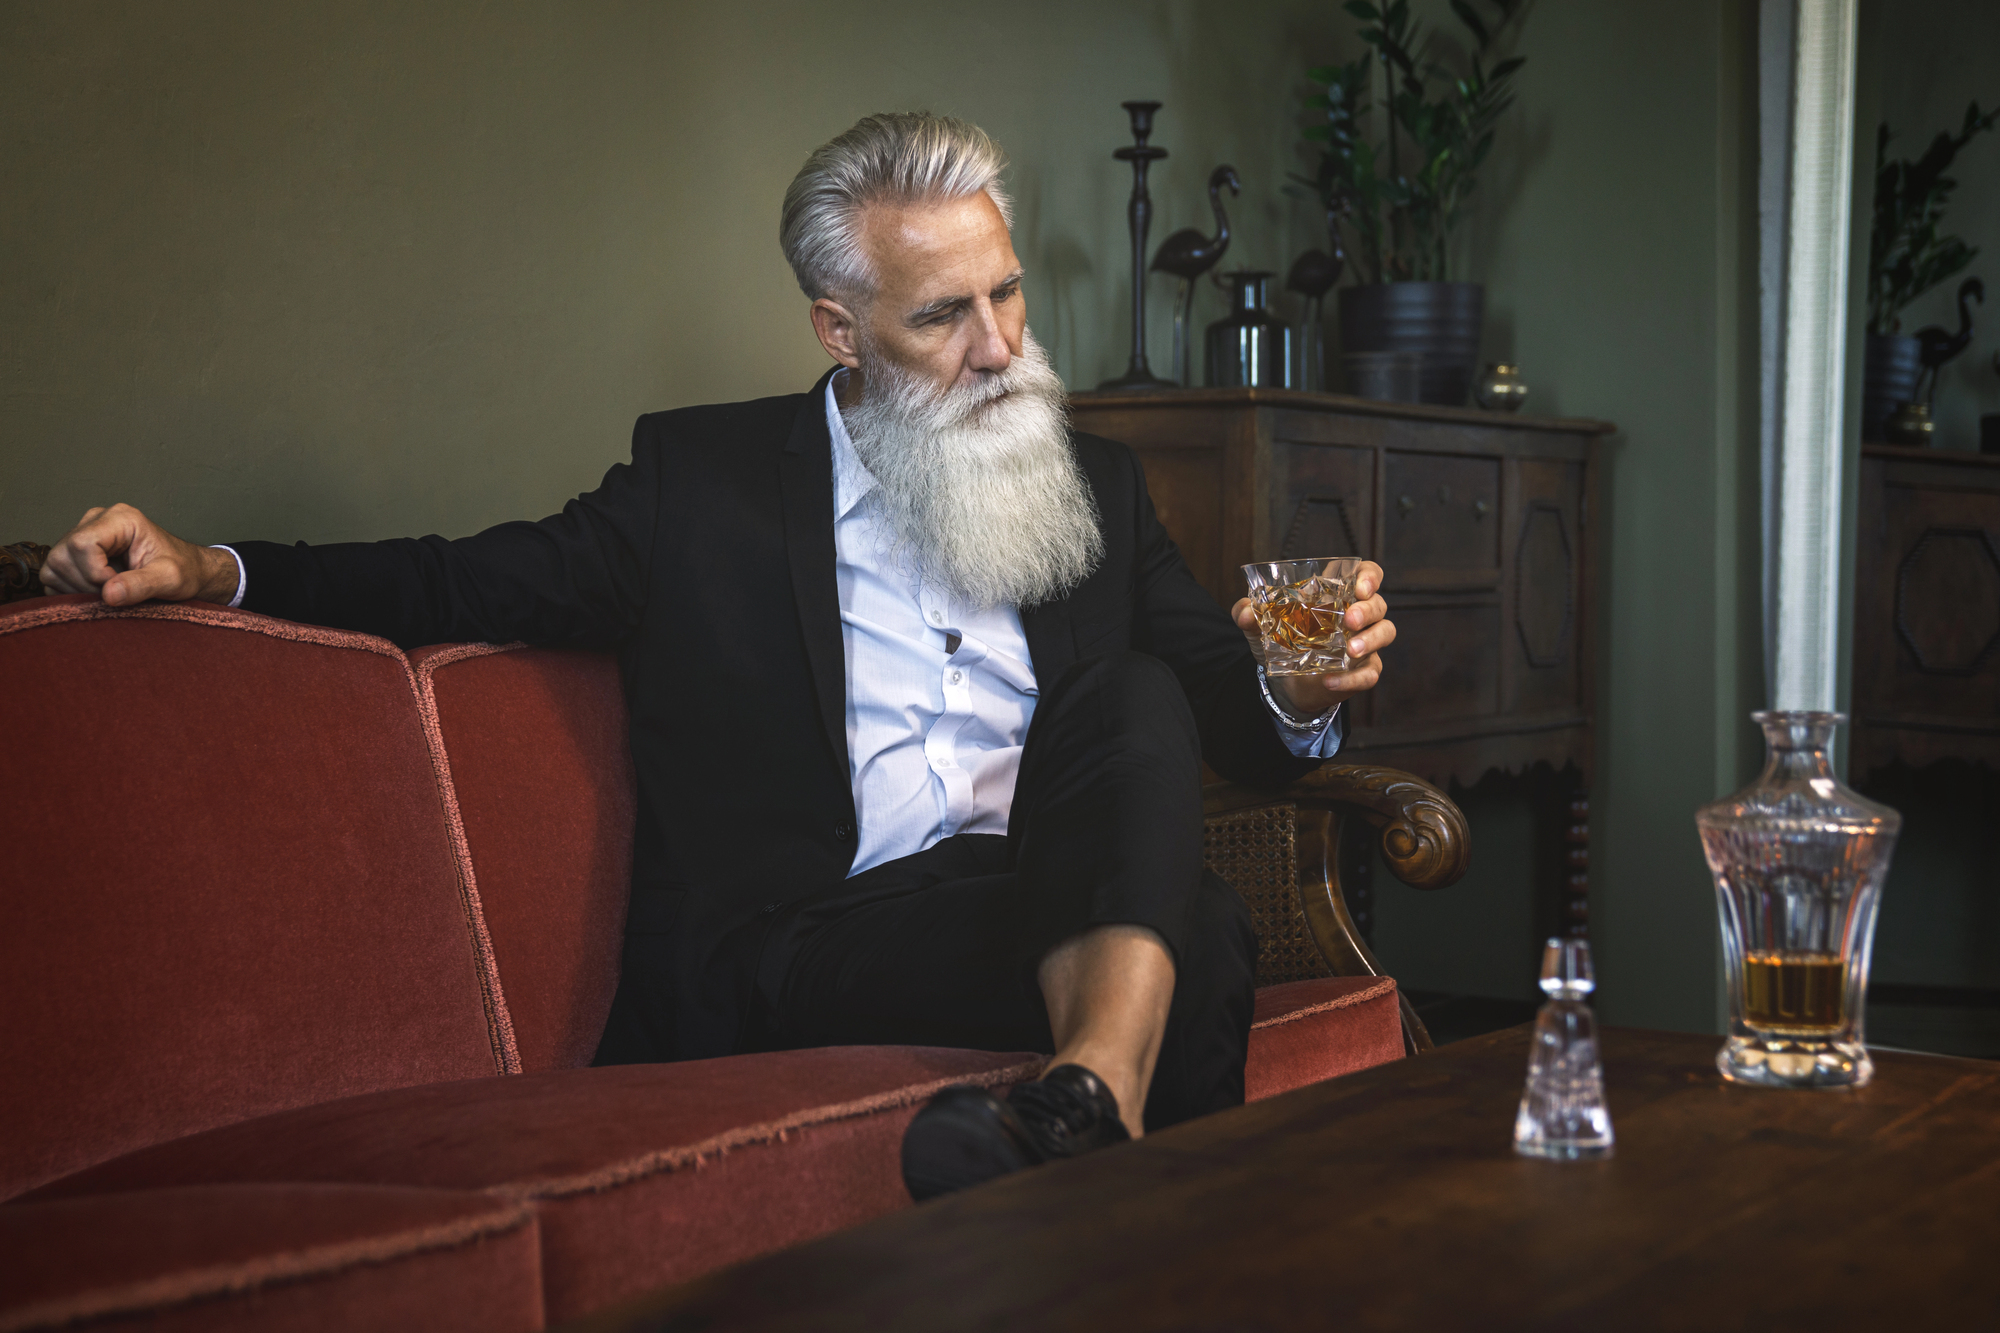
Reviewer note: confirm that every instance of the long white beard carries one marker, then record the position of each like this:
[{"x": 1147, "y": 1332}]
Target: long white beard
[{"x": 979, "y": 483}]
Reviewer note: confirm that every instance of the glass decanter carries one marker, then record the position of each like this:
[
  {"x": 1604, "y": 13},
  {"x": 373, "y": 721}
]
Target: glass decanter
[
  {"x": 1562, "y": 1111},
  {"x": 1798, "y": 861}
]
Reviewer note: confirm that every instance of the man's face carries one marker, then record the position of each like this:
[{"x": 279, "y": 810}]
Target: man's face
[{"x": 947, "y": 306}]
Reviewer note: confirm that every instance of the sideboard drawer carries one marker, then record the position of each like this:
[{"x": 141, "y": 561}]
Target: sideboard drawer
[{"x": 1440, "y": 520}]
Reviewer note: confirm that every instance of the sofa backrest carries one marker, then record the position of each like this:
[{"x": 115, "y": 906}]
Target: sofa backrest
[
  {"x": 227, "y": 881},
  {"x": 534, "y": 740}
]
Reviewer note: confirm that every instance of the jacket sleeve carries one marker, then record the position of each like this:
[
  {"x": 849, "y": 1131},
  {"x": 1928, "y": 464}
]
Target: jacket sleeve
[
  {"x": 578, "y": 578},
  {"x": 1177, "y": 621}
]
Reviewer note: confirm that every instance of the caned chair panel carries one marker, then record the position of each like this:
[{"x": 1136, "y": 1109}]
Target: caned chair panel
[{"x": 1256, "y": 853}]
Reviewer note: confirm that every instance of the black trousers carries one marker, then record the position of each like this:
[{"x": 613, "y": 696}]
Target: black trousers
[{"x": 941, "y": 948}]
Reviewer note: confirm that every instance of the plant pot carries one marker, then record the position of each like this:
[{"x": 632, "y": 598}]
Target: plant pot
[
  {"x": 1438, "y": 320},
  {"x": 1889, "y": 372}
]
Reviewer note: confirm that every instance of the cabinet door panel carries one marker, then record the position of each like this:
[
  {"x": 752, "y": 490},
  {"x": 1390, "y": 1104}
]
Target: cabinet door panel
[
  {"x": 1941, "y": 573},
  {"x": 1323, "y": 502},
  {"x": 1443, "y": 664},
  {"x": 1545, "y": 586},
  {"x": 1440, "y": 520}
]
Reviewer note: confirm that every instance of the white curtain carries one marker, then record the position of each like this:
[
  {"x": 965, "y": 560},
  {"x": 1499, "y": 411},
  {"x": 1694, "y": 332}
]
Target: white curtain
[{"x": 1806, "y": 80}]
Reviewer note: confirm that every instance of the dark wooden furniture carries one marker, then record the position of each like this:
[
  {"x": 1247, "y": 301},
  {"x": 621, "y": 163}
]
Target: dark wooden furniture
[
  {"x": 1926, "y": 609},
  {"x": 1278, "y": 851},
  {"x": 1481, "y": 522},
  {"x": 1390, "y": 1199}
]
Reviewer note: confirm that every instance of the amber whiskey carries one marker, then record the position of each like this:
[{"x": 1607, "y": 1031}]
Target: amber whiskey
[{"x": 1795, "y": 992}]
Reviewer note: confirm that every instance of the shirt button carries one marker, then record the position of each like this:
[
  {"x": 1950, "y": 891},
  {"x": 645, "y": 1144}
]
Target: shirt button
[
  {"x": 937, "y": 617},
  {"x": 957, "y": 676},
  {"x": 843, "y": 831}
]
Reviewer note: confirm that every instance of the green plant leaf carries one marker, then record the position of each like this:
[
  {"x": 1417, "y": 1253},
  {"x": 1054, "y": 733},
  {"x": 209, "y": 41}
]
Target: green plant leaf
[
  {"x": 1362, "y": 10},
  {"x": 1470, "y": 19}
]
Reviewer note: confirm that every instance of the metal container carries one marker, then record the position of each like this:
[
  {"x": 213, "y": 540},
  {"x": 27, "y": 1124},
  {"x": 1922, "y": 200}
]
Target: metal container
[{"x": 1249, "y": 346}]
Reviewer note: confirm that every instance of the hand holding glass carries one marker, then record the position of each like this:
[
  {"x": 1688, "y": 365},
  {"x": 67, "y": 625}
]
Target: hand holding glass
[{"x": 1301, "y": 607}]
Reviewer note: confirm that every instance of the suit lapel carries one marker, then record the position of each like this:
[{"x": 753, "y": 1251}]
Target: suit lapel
[{"x": 805, "y": 473}]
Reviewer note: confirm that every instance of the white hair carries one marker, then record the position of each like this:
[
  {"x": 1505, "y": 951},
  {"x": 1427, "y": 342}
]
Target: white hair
[{"x": 895, "y": 157}]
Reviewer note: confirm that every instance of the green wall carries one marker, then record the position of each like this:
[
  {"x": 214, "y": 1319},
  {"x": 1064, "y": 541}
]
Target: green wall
[
  {"x": 354, "y": 270},
  {"x": 347, "y": 271},
  {"x": 1620, "y": 260}
]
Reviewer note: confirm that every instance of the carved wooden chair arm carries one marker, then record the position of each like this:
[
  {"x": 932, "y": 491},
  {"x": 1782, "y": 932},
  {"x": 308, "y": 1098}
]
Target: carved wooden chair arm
[
  {"x": 1280, "y": 849},
  {"x": 21, "y": 570}
]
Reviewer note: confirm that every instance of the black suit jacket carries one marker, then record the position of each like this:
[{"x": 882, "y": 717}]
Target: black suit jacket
[{"x": 707, "y": 563}]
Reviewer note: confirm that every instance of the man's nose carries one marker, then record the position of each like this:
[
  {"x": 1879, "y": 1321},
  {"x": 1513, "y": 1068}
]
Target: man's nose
[{"x": 989, "y": 351}]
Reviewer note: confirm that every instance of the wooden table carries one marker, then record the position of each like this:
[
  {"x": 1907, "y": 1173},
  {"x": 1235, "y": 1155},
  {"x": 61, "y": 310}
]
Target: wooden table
[{"x": 1390, "y": 1199}]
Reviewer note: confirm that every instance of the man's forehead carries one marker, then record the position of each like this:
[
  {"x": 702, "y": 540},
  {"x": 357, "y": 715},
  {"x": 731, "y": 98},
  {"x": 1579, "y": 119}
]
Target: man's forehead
[{"x": 926, "y": 250}]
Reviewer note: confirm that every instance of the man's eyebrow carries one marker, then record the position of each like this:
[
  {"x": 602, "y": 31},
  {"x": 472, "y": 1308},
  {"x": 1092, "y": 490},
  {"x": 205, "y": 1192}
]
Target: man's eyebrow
[{"x": 946, "y": 304}]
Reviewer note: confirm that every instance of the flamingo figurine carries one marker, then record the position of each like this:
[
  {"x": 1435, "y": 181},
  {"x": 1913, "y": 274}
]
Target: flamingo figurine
[
  {"x": 1187, "y": 254},
  {"x": 1935, "y": 346}
]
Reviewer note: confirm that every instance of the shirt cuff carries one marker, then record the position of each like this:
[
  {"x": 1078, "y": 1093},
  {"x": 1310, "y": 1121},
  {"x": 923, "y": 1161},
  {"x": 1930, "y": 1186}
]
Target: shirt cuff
[
  {"x": 1319, "y": 739},
  {"x": 242, "y": 574}
]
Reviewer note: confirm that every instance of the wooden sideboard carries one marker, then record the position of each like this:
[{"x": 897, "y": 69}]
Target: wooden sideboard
[
  {"x": 1926, "y": 609},
  {"x": 1481, "y": 523}
]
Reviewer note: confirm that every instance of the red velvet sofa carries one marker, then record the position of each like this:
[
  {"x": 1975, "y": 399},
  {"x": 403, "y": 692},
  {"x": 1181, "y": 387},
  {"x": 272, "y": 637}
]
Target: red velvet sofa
[{"x": 305, "y": 945}]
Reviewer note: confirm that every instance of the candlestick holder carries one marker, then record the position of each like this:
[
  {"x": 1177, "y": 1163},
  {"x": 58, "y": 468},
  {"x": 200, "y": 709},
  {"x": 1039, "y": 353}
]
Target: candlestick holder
[{"x": 1139, "y": 375}]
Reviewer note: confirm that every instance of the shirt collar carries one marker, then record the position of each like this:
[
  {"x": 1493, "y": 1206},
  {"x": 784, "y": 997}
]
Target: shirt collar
[{"x": 852, "y": 481}]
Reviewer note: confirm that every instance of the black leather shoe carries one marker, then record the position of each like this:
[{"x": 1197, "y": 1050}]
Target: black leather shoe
[{"x": 967, "y": 1136}]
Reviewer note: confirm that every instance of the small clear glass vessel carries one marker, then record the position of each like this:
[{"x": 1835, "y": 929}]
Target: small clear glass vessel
[
  {"x": 1798, "y": 861},
  {"x": 1562, "y": 1113}
]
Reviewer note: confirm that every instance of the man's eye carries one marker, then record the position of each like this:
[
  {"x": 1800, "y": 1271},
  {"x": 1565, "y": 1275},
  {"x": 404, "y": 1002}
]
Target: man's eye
[{"x": 1006, "y": 293}]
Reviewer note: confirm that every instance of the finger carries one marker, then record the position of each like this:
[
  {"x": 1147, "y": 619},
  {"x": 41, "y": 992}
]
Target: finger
[
  {"x": 163, "y": 576},
  {"x": 1357, "y": 679},
  {"x": 1367, "y": 579},
  {"x": 53, "y": 580},
  {"x": 1379, "y": 636},
  {"x": 1244, "y": 613},
  {"x": 1363, "y": 614}
]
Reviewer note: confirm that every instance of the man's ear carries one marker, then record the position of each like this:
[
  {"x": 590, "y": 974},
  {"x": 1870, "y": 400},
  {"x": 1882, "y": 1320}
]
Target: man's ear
[{"x": 838, "y": 333}]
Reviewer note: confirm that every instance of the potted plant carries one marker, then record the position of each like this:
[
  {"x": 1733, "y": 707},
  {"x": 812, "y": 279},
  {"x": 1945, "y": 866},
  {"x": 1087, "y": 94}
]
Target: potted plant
[
  {"x": 1393, "y": 199},
  {"x": 1906, "y": 258}
]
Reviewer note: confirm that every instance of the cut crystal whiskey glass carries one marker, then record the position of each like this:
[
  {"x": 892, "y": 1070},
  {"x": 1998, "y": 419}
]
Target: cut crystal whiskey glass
[{"x": 1300, "y": 606}]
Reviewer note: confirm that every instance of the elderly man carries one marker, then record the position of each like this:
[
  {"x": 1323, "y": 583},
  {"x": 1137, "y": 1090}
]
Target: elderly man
[{"x": 920, "y": 689}]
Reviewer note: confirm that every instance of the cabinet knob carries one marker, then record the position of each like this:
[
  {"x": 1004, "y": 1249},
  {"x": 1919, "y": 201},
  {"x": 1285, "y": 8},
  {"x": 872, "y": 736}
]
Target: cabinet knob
[
  {"x": 1479, "y": 507},
  {"x": 1405, "y": 504}
]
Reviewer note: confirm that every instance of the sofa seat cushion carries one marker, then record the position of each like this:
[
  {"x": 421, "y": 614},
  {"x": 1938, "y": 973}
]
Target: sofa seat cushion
[
  {"x": 1305, "y": 1031},
  {"x": 642, "y": 1174},
  {"x": 214, "y": 1257}
]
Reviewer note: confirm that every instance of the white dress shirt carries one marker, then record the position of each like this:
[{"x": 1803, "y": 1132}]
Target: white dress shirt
[{"x": 939, "y": 695}]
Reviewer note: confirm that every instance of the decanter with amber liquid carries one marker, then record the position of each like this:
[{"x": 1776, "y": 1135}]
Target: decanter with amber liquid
[{"x": 1798, "y": 861}]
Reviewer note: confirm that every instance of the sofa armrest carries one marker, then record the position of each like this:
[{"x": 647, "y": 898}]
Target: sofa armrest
[{"x": 1423, "y": 838}]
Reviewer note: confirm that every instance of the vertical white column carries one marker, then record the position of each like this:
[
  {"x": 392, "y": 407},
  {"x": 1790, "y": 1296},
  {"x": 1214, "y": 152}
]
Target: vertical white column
[{"x": 1812, "y": 393}]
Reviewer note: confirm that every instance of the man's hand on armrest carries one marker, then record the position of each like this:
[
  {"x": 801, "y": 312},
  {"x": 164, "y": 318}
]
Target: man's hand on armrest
[{"x": 126, "y": 558}]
